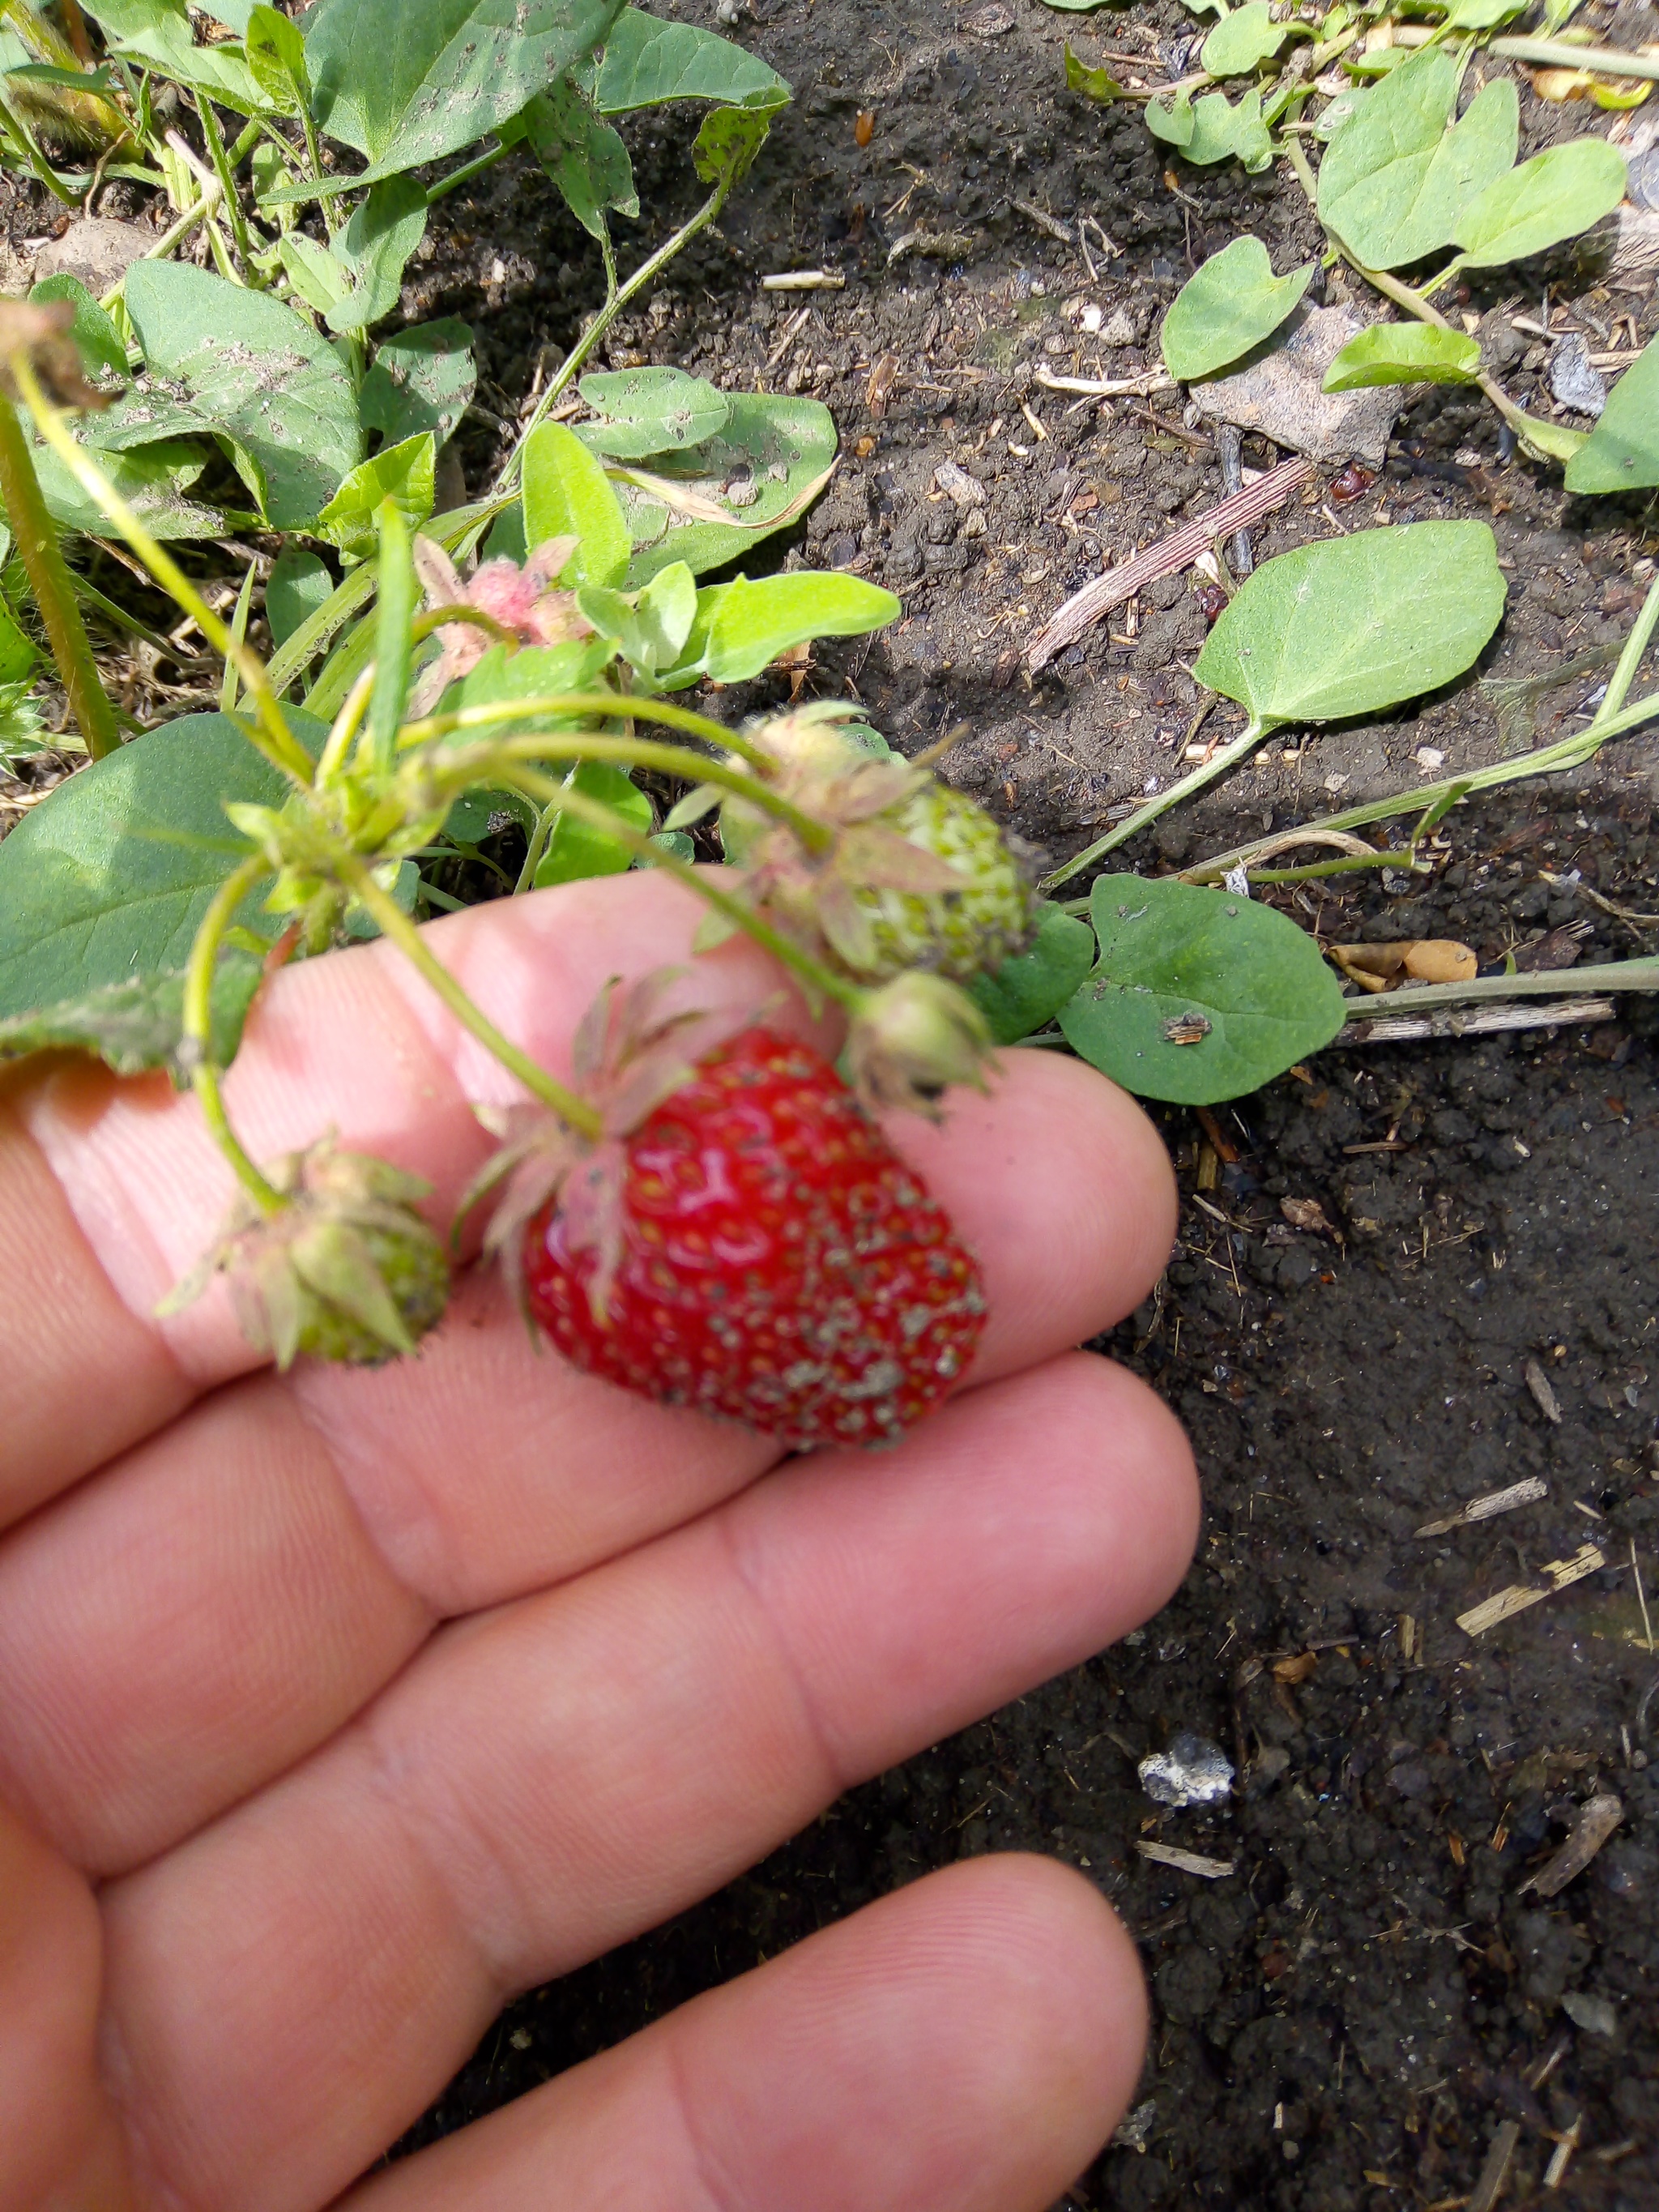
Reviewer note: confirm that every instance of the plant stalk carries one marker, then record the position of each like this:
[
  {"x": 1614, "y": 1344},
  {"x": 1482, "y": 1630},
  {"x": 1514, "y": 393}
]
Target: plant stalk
[
  {"x": 1235, "y": 749},
  {"x": 54, "y": 593},
  {"x": 198, "y": 1029},
  {"x": 645, "y": 275},
  {"x": 397, "y": 928},
  {"x": 1587, "y": 982}
]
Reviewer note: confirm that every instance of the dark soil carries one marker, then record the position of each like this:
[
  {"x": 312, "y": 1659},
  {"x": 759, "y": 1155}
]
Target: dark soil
[{"x": 1345, "y": 2020}]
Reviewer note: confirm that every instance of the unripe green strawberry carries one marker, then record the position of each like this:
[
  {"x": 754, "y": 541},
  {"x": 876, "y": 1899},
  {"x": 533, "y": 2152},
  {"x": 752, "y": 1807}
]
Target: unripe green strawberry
[
  {"x": 960, "y": 933},
  {"x": 346, "y": 1270},
  {"x": 910, "y": 873}
]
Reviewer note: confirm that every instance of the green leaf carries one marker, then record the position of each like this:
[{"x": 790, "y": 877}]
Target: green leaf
[
  {"x": 1227, "y": 306},
  {"x": 1242, "y": 40},
  {"x": 651, "y": 627},
  {"x": 566, "y": 494},
  {"x": 585, "y": 157},
  {"x": 575, "y": 849},
  {"x": 139, "y": 1024},
  {"x": 157, "y": 33},
  {"x": 724, "y": 148},
  {"x": 257, "y": 374},
  {"x": 532, "y": 672},
  {"x": 1250, "y": 988},
  {"x": 1481, "y": 14},
  {"x": 1395, "y": 180},
  {"x": 468, "y": 820},
  {"x": 646, "y": 62},
  {"x": 754, "y": 622},
  {"x": 421, "y": 380},
  {"x": 1212, "y": 128},
  {"x": 317, "y": 275},
  {"x": 1404, "y": 353},
  {"x": 153, "y": 481},
  {"x": 1357, "y": 623},
  {"x": 650, "y": 410},
  {"x": 762, "y": 470},
  {"x": 1097, "y": 84},
  {"x": 103, "y": 884},
  {"x": 299, "y": 583},
  {"x": 17, "y": 652},
  {"x": 1622, "y": 451},
  {"x": 1554, "y": 196},
  {"x": 405, "y": 474},
  {"x": 276, "y": 56},
  {"x": 384, "y": 230},
  {"x": 406, "y": 84},
  {"x": 1339, "y": 111},
  {"x": 1030, "y": 989},
  {"x": 22, "y": 727},
  {"x": 100, "y": 341}
]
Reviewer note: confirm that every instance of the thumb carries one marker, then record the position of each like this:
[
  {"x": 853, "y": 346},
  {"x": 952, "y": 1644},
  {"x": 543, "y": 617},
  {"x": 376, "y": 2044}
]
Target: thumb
[{"x": 60, "y": 2146}]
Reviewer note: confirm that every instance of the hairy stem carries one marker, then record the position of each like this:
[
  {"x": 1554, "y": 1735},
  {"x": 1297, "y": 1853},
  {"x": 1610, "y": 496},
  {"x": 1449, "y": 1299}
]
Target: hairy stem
[
  {"x": 643, "y": 277},
  {"x": 397, "y": 929},
  {"x": 198, "y": 1029},
  {"x": 608, "y": 706},
  {"x": 54, "y": 593},
  {"x": 671, "y": 760},
  {"x": 817, "y": 978},
  {"x": 274, "y": 740}
]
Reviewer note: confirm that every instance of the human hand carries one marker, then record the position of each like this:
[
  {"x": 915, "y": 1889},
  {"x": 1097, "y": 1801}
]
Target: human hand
[{"x": 335, "y": 1709}]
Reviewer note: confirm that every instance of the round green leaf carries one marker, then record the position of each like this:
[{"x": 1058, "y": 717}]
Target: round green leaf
[
  {"x": 1030, "y": 989},
  {"x": 1404, "y": 353},
  {"x": 650, "y": 410},
  {"x": 1554, "y": 196},
  {"x": 1246, "y": 988},
  {"x": 1227, "y": 306},
  {"x": 1396, "y": 178},
  {"x": 1357, "y": 623},
  {"x": 1240, "y": 41},
  {"x": 577, "y": 849}
]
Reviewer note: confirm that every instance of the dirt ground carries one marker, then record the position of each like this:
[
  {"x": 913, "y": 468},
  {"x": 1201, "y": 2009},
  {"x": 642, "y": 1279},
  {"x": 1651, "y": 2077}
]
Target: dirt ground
[{"x": 1351, "y": 2018}]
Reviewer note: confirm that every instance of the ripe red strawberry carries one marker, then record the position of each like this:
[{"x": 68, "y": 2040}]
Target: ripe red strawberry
[{"x": 772, "y": 1258}]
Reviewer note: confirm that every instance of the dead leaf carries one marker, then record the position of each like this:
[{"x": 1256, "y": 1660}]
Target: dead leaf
[
  {"x": 1297, "y": 1669},
  {"x": 1419, "y": 959},
  {"x": 1307, "y": 1213},
  {"x": 1440, "y": 960}
]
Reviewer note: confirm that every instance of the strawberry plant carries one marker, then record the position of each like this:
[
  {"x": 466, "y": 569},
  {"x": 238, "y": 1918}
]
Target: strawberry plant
[{"x": 708, "y": 1215}]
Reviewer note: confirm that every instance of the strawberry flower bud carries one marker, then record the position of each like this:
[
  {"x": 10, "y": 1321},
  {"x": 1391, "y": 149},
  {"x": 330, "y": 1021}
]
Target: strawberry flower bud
[
  {"x": 912, "y": 1039},
  {"x": 346, "y": 1271}
]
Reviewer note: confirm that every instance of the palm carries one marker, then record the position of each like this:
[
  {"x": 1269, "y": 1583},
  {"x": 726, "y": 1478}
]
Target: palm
[{"x": 364, "y": 1701}]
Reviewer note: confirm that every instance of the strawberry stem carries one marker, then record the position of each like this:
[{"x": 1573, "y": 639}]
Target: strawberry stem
[
  {"x": 642, "y": 752},
  {"x": 198, "y": 1050},
  {"x": 396, "y": 926},
  {"x": 607, "y": 706},
  {"x": 818, "y": 980}
]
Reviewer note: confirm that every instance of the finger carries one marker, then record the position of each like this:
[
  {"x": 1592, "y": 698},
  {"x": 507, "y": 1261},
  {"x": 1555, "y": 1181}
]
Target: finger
[
  {"x": 193, "y": 1620},
  {"x": 58, "y": 2143},
  {"x": 965, "y": 2046},
  {"x": 551, "y": 1778}
]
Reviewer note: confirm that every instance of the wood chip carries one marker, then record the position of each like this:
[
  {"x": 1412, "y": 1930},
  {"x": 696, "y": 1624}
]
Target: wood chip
[
  {"x": 1477, "y": 1021},
  {"x": 1539, "y": 1384},
  {"x": 1505, "y": 1603},
  {"x": 1044, "y": 220},
  {"x": 1108, "y": 387},
  {"x": 1496, "y": 2171},
  {"x": 1166, "y": 558},
  {"x": 1186, "y": 1862},
  {"x": 1597, "y": 1819},
  {"x": 804, "y": 280},
  {"x": 1527, "y": 1493}
]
